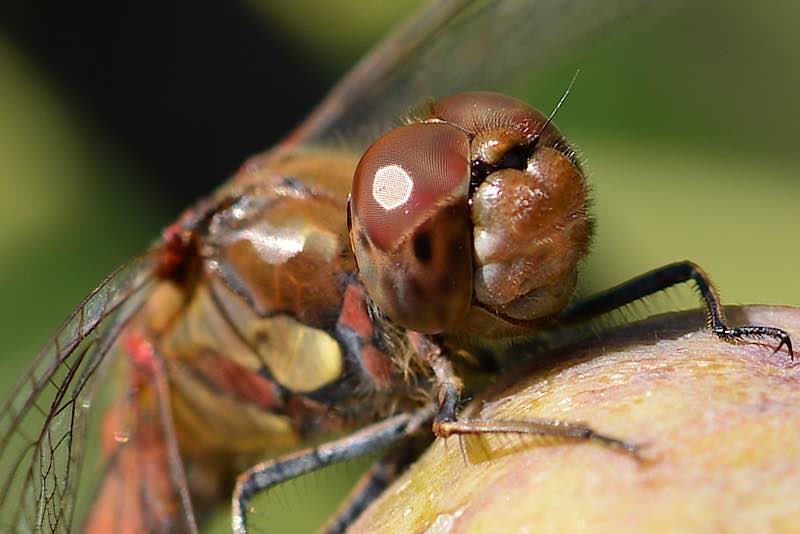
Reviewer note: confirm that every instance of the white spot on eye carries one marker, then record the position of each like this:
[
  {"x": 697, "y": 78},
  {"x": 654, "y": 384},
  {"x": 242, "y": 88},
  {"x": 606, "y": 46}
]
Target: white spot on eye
[{"x": 392, "y": 186}]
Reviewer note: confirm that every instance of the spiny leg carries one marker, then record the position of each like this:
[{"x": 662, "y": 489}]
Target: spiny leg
[
  {"x": 446, "y": 422},
  {"x": 663, "y": 278},
  {"x": 536, "y": 427},
  {"x": 373, "y": 483},
  {"x": 267, "y": 474}
]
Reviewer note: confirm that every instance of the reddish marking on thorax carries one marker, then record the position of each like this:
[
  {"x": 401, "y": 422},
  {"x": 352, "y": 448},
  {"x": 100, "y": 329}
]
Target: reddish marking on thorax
[
  {"x": 379, "y": 366},
  {"x": 355, "y": 316},
  {"x": 354, "y": 312},
  {"x": 245, "y": 384}
]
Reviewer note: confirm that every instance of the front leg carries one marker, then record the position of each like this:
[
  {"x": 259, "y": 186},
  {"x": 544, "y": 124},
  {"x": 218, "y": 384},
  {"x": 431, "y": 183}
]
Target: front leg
[
  {"x": 446, "y": 422},
  {"x": 668, "y": 276}
]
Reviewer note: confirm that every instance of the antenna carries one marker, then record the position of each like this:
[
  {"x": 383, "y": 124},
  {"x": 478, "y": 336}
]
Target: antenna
[{"x": 550, "y": 117}]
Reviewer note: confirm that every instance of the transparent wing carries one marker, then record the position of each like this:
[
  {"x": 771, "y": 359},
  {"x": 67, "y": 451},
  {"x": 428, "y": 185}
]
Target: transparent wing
[
  {"x": 453, "y": 46},
  {"x": 136, "y": 481},
  {"x": 43, "y": 420}
]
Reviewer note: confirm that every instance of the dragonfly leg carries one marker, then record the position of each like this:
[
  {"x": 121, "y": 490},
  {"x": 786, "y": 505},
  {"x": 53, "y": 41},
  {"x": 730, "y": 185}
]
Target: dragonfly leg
[
  {"x": 373, "y": 483},
  {"x": 267, "y": 474},
  {"x": 446, "y": 422},
  {"x": 668, "y": 276}
]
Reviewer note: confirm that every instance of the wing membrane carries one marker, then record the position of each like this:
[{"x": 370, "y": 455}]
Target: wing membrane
[
  {"x": 43, "y": 420},
  {"x": 455, "y": 45}
]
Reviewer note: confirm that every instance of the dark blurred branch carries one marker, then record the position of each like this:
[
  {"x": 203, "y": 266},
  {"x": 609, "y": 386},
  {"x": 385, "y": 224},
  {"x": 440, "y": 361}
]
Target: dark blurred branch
[{"x": 189, "y": 88}]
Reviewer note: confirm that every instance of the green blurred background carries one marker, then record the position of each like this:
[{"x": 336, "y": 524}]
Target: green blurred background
[{"x": 688, "y": 129}]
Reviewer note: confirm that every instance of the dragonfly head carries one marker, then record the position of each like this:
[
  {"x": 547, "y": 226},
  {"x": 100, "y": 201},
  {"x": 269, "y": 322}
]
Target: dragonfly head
[{"x": 476, "y": 215}]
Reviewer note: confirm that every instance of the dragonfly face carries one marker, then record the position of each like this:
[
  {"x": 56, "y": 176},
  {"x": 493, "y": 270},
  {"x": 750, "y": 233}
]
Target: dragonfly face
[
  {"x": 261, "y": 322},
  {"x": 484, "y": 173}
]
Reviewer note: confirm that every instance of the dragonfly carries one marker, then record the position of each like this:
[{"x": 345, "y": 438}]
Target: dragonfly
[{"x": 339, "y": 290}]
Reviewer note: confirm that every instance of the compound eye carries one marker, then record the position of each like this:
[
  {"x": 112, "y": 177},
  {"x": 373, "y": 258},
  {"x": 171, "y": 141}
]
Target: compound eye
[
  {"x": 404, "y": 176},
  {"x": 410, "y": 225},
  {"x": 500, "y": 124},
  {"x": 483, "y": 111}
]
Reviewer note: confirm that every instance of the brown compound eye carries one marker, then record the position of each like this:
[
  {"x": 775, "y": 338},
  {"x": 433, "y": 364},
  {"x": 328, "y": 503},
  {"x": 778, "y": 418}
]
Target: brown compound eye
[
  {"x": 410, "y": 225},
  {"x": 501, "y": 125},
  {"x": 483, "y": 111}
]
